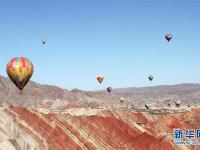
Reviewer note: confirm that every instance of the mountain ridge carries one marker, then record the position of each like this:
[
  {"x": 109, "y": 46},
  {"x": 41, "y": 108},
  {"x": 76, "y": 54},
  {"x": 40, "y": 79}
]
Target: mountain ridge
[{"x": 35, "y": 94}]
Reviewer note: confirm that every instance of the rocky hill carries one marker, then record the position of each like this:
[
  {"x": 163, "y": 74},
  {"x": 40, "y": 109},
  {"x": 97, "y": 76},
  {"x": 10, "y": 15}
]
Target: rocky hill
[
  {"x": 92, "y": 129},
  {"x": 35, "y": 94},
  {"x": 56, "y": 119}
]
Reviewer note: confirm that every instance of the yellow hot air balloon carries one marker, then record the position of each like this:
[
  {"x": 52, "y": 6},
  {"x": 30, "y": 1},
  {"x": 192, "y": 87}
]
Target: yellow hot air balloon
[{"x": 20, "y": 70}]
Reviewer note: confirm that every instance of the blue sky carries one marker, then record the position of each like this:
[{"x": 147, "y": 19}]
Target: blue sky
[{"x": 121, "y": 39}]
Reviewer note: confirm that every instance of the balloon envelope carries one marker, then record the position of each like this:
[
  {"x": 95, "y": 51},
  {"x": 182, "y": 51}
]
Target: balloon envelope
[
  {"x": 178, "y": 103},
  {"x": 168, "y": 37},
  {"x": 43, "y": 42},
  {"x": 150, "y": 77},
  {"x": 100, "y": 78},
  {"x": 20, "y": 70},
  {"x": 147, "y": 106},
  {"x": 121, "y": 99},
  {"x": 109, "y": 89}
]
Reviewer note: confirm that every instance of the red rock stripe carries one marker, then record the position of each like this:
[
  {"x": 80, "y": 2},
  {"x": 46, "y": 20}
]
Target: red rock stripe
[
  {"x": 57, "y": 139},
  {"x": 75, "y": 132}
]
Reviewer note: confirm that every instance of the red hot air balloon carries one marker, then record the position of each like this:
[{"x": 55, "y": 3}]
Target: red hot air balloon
[
  {"x": 20, "y": 70},
  {"x": 168, "y": 37},
  {"x": 100, "y": 78}
]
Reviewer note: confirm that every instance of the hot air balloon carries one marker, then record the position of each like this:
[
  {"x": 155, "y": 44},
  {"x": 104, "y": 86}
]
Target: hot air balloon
[
  {"x": 147, "y": 106},
  {"x": 122, "y": 99},
  {"x": 43, "y": 42},
  {"x": 109, "y": 89},
  {"x": 150, "y": 78},
  {"x": 178, "y": 103},
  {"x": 168, "y": 37},
  {"x": 20, "y": 70},
  {"x": 100, "y": 78}
]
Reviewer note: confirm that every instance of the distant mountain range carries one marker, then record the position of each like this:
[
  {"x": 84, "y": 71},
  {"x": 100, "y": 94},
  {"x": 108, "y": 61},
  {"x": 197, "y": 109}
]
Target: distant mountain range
[{"x": 36, "y": 94}]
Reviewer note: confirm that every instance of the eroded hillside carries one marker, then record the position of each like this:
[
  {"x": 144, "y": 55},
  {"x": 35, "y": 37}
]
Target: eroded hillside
[{"x": 87, "y": 128}]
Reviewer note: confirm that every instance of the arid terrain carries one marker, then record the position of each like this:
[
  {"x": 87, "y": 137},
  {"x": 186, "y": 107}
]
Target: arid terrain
[
  {"x": 93, "y": 128},
  {"x": 50, "y": 118}
]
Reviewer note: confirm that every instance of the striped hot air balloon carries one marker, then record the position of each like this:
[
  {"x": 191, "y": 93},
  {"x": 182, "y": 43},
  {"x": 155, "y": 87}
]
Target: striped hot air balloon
[{"x": 20, "y": 70}]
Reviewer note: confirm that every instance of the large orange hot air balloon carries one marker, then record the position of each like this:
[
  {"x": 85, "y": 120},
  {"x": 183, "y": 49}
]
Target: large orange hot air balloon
[
  {"x": 20, "y": 70},
  {"x": 100, "y": 78}
]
